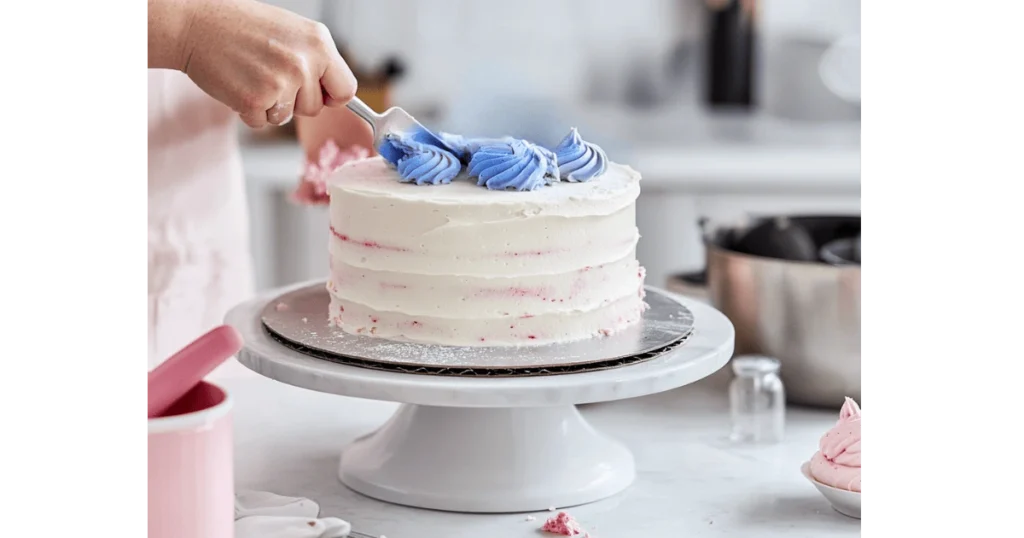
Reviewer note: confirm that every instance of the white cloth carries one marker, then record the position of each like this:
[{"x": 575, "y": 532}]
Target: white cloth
[
  {"x": 259, "y": 514},
  {"x": 200, "y": 263}
]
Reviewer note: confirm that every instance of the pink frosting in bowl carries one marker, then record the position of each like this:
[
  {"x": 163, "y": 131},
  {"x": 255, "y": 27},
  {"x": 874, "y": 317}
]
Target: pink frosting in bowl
[
  {"x": 312, "y": 187},
  {"x": 837, "y": 461}
]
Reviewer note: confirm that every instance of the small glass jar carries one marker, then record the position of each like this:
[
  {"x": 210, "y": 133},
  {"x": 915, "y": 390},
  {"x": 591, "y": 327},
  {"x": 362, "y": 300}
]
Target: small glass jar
[{"x": 757, "y": 400}]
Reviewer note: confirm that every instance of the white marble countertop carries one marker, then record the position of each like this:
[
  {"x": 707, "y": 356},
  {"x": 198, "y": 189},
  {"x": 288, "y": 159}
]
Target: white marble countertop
[{"x": 691, "y": 481}]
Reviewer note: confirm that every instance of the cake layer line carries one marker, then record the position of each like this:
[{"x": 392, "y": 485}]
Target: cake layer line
[
  {"x": 544, "y": 260},
  {"x": 458, "y": 296},
  {"x": 368, "y": 232},
  {"x": 544, "y": 329}
]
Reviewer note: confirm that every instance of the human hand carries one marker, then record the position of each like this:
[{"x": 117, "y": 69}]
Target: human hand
[{"x": 264, "y": 62}]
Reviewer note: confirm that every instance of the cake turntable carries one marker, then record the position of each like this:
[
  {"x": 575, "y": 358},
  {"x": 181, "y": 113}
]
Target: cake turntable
[{"x": 483, "y": 429}]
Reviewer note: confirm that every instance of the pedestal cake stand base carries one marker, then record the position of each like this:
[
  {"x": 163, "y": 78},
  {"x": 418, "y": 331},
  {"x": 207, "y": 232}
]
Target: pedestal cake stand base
[{"x": 487, "y": 459}]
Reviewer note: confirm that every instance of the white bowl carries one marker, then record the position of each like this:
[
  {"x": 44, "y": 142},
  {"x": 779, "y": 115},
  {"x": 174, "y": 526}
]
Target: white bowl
[{"x": 843, "y": 501}]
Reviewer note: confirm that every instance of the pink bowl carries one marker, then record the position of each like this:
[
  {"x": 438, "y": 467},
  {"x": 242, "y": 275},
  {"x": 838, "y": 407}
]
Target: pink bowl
[{"x": 191, "y": 467}]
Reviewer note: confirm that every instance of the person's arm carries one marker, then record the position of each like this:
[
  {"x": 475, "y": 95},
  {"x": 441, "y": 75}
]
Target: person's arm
[
  {"x": 264, "y": 62},
  {"x": 168, "y": 24}
]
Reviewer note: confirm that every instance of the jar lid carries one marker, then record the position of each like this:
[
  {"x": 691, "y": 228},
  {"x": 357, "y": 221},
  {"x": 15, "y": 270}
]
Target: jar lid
[{"x": 747, "y": 365}]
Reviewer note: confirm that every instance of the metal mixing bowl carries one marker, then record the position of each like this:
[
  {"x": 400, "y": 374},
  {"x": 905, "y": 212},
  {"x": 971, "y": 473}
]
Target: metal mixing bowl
[{"x": 805, "y": 314}]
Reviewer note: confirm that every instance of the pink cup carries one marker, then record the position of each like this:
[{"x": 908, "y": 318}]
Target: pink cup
[{"x": 191, "y": 474}]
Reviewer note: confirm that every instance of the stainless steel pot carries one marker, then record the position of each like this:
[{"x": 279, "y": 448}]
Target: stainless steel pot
[{"x": 806, "y": 314}]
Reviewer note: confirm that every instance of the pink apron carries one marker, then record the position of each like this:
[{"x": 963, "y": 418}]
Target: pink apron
[{"x": 200, "y": 263}]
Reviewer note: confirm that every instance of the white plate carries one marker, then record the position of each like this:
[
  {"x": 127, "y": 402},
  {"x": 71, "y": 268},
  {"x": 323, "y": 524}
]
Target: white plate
[{"x": 843, "y": 501}]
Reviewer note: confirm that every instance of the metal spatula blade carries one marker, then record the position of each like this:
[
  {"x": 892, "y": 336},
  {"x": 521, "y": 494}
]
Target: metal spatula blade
[{"x": 395, "y": 121}]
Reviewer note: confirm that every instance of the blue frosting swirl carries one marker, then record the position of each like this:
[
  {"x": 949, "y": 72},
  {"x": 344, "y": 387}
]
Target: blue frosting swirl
[
  {"x": 464, "y": 148},
  {"x": 513, "y": 164},
  {"x": 579, "y": 160},
  {"x": 497, "y": 163},
  {"x": 419, "y": 162}
]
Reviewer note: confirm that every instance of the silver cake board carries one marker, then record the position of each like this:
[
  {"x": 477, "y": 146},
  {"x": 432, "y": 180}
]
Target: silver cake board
[{"x": 298, "y": 320}]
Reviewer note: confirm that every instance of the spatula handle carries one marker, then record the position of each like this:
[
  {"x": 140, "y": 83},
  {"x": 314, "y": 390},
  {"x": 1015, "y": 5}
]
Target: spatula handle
[{"x": 363, "y": 111}]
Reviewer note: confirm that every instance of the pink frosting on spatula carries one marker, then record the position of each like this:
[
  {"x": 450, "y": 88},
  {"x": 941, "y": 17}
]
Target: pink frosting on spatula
[{"x": 186, "y": 368}]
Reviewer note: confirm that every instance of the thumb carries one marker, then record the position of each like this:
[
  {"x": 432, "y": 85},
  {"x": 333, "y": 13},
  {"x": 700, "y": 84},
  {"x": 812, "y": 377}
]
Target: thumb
[{"x": 338, "y": 83}]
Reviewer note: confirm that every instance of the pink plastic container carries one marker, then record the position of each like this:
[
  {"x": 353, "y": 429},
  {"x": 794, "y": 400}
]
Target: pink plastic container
[{"x": 191, "y": 467}]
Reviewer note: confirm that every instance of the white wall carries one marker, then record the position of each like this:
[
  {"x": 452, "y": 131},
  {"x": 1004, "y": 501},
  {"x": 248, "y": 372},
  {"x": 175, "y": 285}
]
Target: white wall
[
  {"x": 456, "y": 48},
  {"x": 558, "y": 49}
]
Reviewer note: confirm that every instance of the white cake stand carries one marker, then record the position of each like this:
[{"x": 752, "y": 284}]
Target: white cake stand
[{"x": 487, "y": 444}]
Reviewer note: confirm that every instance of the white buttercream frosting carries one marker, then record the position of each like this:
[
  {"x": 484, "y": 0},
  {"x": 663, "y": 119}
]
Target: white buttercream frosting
[{"x": 460, "y": 265}]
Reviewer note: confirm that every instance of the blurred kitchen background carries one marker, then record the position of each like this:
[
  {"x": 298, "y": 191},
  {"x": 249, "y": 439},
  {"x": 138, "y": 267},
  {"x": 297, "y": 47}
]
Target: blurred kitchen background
[{"x": 728, "y": 108}]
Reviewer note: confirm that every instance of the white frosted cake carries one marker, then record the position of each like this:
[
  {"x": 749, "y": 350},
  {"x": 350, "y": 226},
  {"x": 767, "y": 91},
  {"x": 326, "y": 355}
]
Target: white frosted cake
[{"x": 458, "y": 264}]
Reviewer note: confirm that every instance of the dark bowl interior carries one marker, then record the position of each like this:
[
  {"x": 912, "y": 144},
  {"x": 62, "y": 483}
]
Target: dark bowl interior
[
  {"x": 841, "y": 252},
  {"x": 798, "y": 238}
]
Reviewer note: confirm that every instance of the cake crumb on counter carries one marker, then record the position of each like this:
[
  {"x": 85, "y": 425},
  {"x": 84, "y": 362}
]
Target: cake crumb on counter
[{"x": 563, "y": 524}]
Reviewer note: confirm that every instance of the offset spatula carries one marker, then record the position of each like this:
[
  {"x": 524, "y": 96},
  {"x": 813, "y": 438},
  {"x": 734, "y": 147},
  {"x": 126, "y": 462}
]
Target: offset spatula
[{"x": 397, "y": 122}]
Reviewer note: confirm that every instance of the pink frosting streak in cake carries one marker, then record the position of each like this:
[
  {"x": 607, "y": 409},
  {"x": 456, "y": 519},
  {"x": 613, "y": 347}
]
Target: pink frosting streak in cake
[
  {"x": 367, "y": 244},
  {"x": 312, "y": 187},
  {"x": 837, "y": 461},
  {"x": 563, "y": 524}
]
